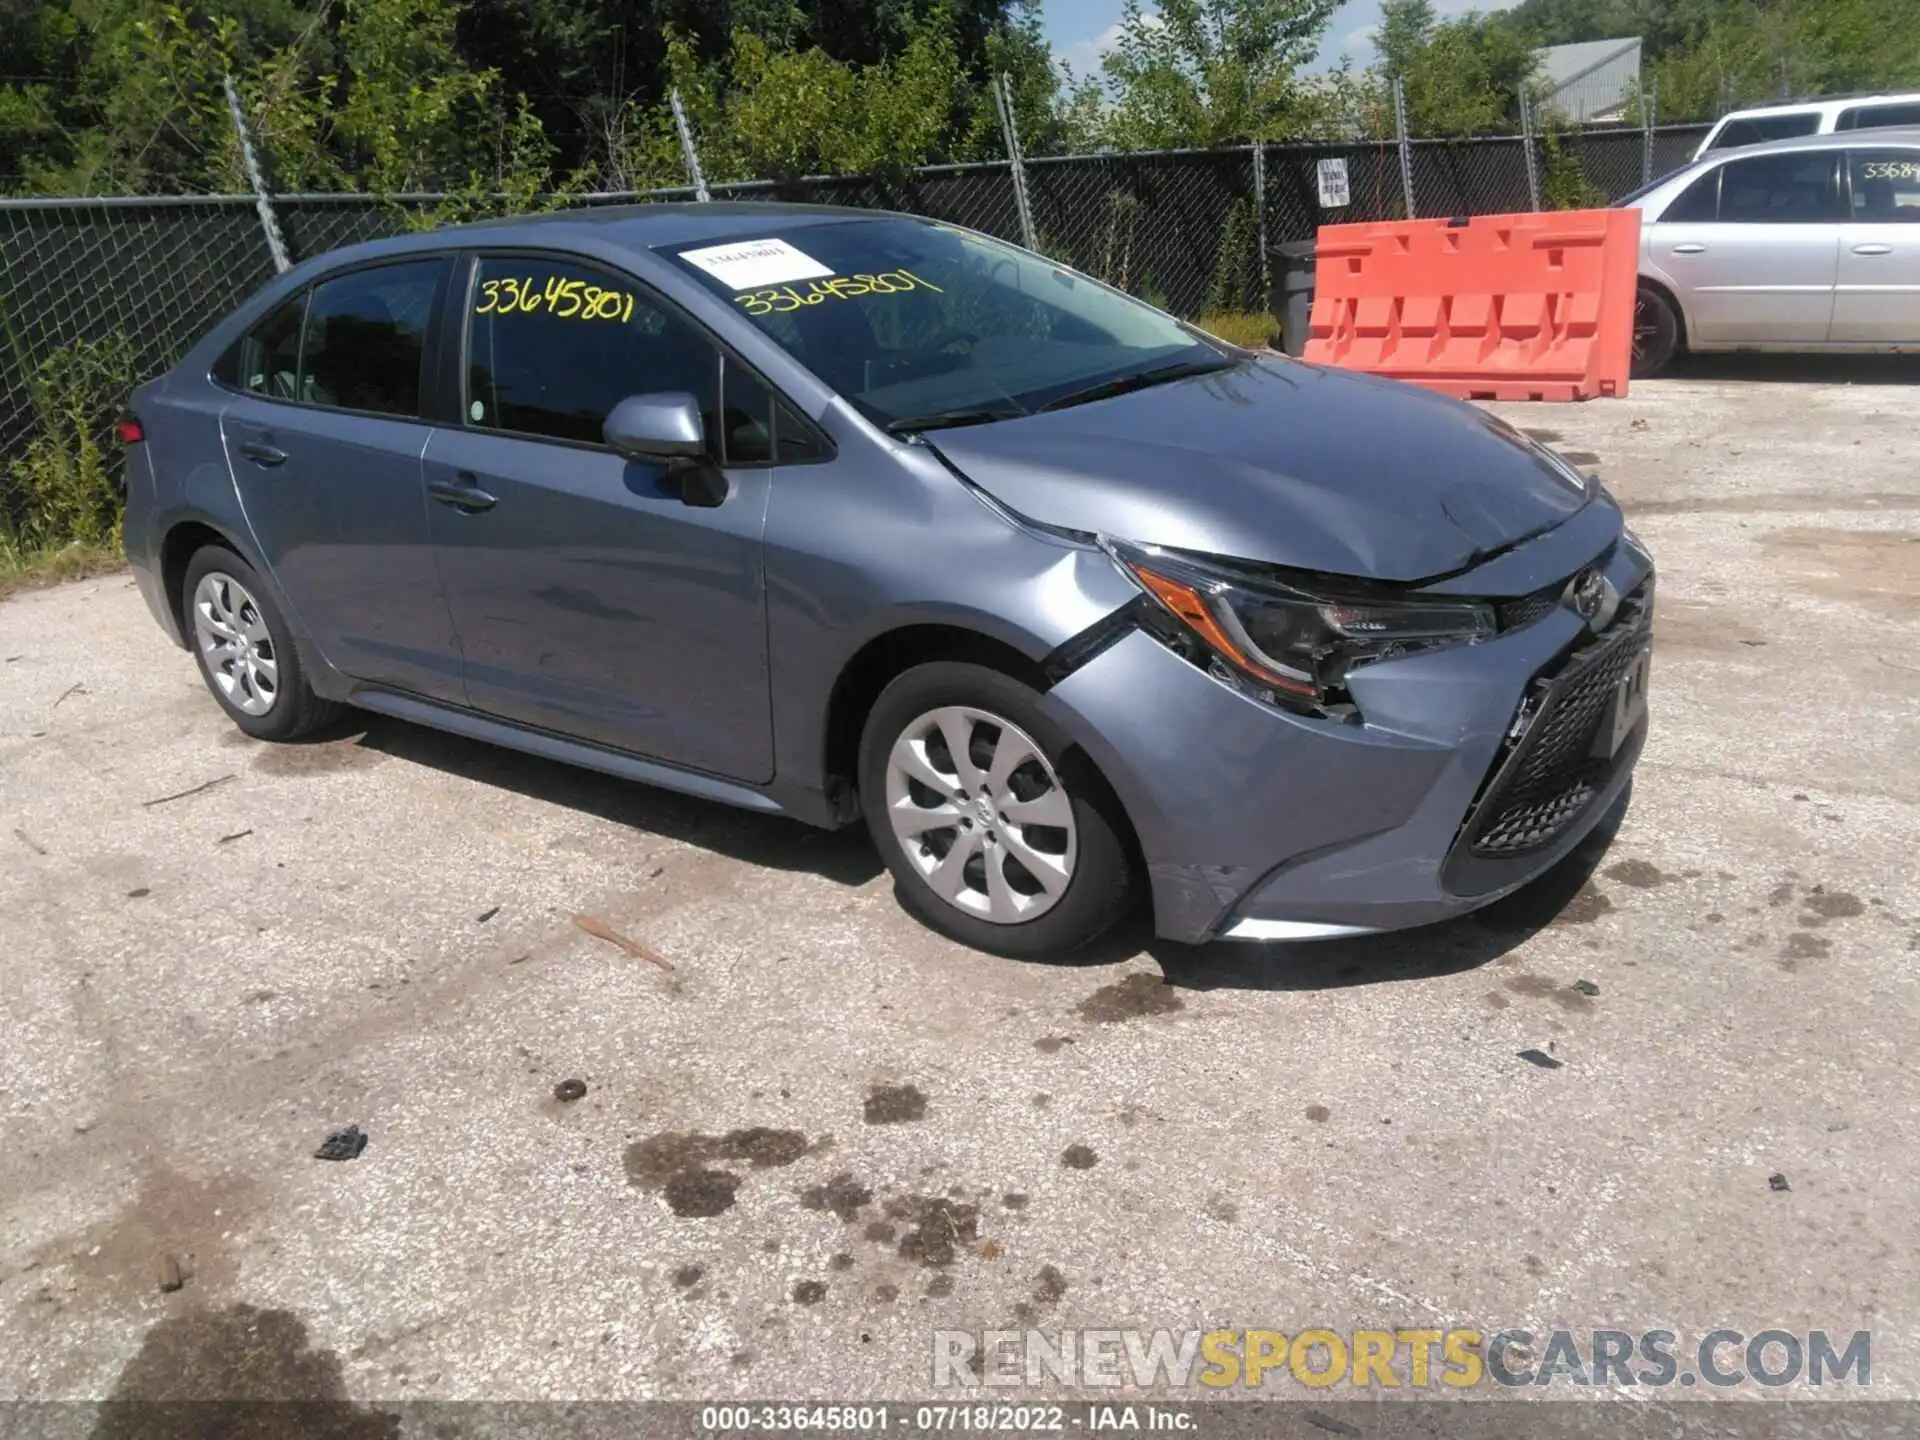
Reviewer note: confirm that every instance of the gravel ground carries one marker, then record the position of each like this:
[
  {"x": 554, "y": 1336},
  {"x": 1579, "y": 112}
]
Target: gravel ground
[{"x": 825, "y": 1133}]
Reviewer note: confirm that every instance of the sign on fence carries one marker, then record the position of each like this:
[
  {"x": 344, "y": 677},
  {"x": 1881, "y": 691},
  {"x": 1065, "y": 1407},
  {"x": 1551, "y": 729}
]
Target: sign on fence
[{"x": 1333, "y": 185}]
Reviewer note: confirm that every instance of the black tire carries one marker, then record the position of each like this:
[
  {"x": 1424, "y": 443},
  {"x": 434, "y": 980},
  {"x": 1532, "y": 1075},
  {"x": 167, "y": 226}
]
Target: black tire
[
  {"x": 1657, "y": 336},
  {"x": 294, "y": 711},
  {"x": 1100, "y": 889}
]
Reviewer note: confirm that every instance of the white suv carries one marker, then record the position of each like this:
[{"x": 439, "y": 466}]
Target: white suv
[{"x": 1810, "y": 117}]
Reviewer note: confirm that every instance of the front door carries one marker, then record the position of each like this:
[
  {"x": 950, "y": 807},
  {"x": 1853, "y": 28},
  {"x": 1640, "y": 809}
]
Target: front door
[
  {"x": 1760, "y": 271},
  {"x": 324, "y": 442},
  {"x": 1876, "y": 300},
  {"x": 590, "y": 598}
]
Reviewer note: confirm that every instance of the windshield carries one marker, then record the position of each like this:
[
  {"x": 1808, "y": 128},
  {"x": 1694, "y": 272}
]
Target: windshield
[{"x": 920, "y": 325}]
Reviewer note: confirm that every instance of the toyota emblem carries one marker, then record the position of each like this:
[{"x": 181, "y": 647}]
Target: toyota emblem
[{"x": 1591, "y": 596}]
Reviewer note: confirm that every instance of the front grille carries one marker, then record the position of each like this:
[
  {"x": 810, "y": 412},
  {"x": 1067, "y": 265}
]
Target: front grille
[
  {"x": 1529, "y": 608},
  {"x": 1550, "y": 774}
]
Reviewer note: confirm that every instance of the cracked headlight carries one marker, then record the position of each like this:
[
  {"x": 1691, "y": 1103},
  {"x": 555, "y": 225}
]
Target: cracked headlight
[{"x": 1291, "y": 639}]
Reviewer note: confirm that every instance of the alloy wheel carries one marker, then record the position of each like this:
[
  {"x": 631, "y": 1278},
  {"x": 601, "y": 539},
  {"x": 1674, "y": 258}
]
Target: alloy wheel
[
  {"x": 981, "y": 815},
  {"x": 239, "y": 651}
]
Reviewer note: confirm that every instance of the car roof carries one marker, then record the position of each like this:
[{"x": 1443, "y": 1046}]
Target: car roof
[
  {"x": 638, "y": 228},
  {"x": 1824, "y": 102},
  {"x": 1836, "y": 140}
]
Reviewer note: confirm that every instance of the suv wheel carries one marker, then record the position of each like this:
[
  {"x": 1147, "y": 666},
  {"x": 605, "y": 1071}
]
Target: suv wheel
[
  {"x": 241, "y": 642},
  {"x": 998, "y": 833}
]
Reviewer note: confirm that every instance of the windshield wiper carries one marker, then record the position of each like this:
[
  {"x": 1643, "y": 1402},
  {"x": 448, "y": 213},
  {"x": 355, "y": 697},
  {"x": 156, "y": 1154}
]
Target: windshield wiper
[
  {"x": 952, "y": 419},
  {"x": 1139, "y": 380}
]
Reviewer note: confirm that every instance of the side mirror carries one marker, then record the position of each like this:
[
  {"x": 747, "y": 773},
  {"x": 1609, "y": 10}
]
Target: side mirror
[{"x": 662, "y": 427}]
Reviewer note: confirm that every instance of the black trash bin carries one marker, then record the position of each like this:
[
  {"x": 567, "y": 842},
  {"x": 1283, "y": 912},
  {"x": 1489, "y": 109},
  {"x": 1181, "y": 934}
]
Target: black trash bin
[{"x": 1291, "y": 274}]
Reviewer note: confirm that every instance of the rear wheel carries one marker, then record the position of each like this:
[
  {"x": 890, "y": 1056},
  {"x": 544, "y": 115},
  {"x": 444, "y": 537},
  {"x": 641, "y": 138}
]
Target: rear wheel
[
  {"x": 998, "y": 832},
  {"x": 244, "y": 650},
  {"x": 1656, "y": 332}
]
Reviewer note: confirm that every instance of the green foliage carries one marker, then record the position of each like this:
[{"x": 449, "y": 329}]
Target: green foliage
[
  {"x": 1236, "y": 267},
  {"x": 1564, "y": 184},
  {"x": 1462, "y": 76},
  {"x": 61, "y": 489},
  {"x": 1207, "y": 72},
  {"x": 1252, "y": 329}
]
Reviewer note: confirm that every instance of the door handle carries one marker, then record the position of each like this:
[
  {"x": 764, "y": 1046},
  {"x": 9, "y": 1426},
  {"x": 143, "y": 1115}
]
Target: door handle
[
  {"x": 462, "y": 493},
  {"x": 1691, "y": 247},
  {"x": 1873, "y": 249},
  {"x": 262, "y": 453}
]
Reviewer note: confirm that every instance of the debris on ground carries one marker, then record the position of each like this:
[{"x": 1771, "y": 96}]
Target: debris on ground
[
  {"x": 1542, "y": 1059},
  {"x": 70, "y": 691},
  {"x": 600, "y": 930},
  {"x": 1778, "y": 1182},
  {"x": 237, "y": 835},
  {"x": 342, "y": 1144},
  {"x": 567, "y": 1091},
  {"x": 486, "y": 915},
  {"x": 1586, "y": 987},
  {"x": 200, "y": 789},
  {"x": 28, "y": 841},
  {"x": 173, "y": 1274}
]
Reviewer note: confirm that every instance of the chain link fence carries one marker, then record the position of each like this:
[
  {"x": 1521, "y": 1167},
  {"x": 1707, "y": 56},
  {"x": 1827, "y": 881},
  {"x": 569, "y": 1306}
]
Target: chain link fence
[{"x": 1181, "y": 228}]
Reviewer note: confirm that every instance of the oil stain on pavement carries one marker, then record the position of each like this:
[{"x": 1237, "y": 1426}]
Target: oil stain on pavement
[
  {"x": 684, "y": 1168},
  {"x": 1139, "y": 994},
  {"x": 258, "y": 1366}
]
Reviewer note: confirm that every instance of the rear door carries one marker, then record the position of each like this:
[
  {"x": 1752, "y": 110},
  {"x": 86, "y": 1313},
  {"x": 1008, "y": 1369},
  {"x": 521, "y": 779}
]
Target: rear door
[
  {"x": 1877, "y": 295},
  {"x": 591, "y": 599},
  {"x": 1752, "y": 250},
  {"x": 325, "y": 441}
]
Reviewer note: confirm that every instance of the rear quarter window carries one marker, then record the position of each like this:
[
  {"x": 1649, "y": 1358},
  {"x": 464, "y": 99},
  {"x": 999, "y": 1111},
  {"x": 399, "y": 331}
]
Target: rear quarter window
[
  {"x": 1869, "y": 117},
  {"x": 1753, "y": 129}
]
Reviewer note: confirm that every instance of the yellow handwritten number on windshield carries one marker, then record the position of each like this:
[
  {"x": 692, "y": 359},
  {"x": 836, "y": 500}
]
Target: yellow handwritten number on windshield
[{"x": 841, "y": 287}]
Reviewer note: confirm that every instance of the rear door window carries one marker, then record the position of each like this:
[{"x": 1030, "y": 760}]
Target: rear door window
[
  {"x": 1752, "y": 129},
  {"x": 1870, "y": 117},
  {"x": 1699, "y": 201},
  {"x": 1779, "y": 190},
  {"x": 266, "y": 360},
  {"x": 366, "y": 338},
  {"x": 553, "y": 345},
  {"x": 1884, "y": 186}
]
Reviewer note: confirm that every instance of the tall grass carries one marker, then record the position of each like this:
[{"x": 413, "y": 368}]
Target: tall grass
[{"x": 61, "y": 499}]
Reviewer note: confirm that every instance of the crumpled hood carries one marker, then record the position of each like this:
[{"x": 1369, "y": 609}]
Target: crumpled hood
[{"x": 1279, "y": 462}]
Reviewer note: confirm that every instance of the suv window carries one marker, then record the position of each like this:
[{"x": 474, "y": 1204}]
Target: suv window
[
  {"x": 266, "y": 360},
  {"x": 366, "y": 338},
  {"x": 1885, "y": 186},
  {"x": 552, "y": 346},
  {"x": 1779, "y": 189},
  {"x": 1752, "y": 129},
  {"x": 1870, "y": 117},
  {"x": 1699, "y": 201}
]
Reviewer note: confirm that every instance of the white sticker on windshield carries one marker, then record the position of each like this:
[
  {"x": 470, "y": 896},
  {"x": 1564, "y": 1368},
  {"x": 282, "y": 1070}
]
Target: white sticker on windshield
[{"x": 754, "y": 264}]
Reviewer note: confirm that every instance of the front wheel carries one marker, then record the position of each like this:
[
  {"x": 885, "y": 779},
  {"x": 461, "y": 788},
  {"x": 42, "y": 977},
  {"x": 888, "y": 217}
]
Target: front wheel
[
  {"x": 1656, "y": 332},
  {"x": 998, "y": 832}
]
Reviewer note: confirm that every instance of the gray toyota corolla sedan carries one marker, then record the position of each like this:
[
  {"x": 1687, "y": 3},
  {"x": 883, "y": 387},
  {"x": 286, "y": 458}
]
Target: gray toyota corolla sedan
[{"x": 836, "y": 514}]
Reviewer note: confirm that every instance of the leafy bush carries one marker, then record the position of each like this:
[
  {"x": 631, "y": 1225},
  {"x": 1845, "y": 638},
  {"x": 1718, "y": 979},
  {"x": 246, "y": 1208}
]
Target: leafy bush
[{"x": 65, "y": 487}]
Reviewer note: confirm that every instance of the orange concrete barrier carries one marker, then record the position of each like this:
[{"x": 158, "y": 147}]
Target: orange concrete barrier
[{"x": 1498, "y": 307}]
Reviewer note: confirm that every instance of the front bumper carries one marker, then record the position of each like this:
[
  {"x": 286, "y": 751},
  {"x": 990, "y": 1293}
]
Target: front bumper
[{"x": 1257, "y": 824}]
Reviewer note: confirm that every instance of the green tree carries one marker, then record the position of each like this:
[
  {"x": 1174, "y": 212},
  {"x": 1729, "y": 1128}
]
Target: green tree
[
  {"x": 1461, "y": 76},
  {"x": 1206, "y": 72}
]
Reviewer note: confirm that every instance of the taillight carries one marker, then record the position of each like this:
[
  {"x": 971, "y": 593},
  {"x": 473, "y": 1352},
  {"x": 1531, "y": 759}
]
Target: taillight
[{"x": 127, "y": 430}]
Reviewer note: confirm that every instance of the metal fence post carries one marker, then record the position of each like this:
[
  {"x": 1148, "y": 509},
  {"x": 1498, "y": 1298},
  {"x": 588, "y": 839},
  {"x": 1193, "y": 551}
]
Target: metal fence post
[
  {"x": 687, "y": 150},
  {"x": 1260, "y": 215},
  {"x": 1526, "y": 148},
  {"x": 1406, "y": 150},
  {"x": 275, "y": 245},
  {"x": 1003, "y": 102},
  {"x": 1649, "y": 107}
]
